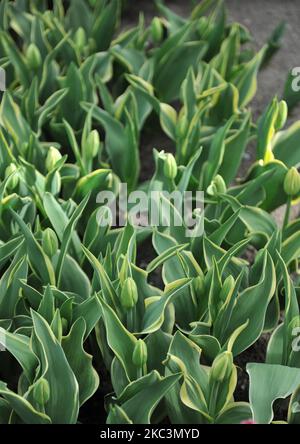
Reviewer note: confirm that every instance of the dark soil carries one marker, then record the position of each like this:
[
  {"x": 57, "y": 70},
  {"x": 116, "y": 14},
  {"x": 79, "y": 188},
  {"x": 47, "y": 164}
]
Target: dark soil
[{"x": 255, "y": 353}]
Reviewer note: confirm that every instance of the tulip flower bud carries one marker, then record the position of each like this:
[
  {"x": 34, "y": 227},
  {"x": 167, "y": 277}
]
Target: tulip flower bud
[
  {"x": 281, "y": 115},
  {"x": 129, "y": 294},
  {"x": 157, "y": 30},
  {"x": 92, "y": 45},
  {"x": 139, "y": 356},
  {"x": 92, "y": 144},
  {"x": 198, "y": 285},
  {"x": 80, "y": 38},
  {"x": 33, "y": 56},
  {"x": 222, "y": 367},
  {"x": 53, "y": 156},
  {"x": 291, "y": 184},
  {"x": 182, "y": 126},
  {"x": 14, "y": 180},
  {"x": 217, "y": 186},
  {"x": 227, "y": 287},
  {"x": 170, "y": 166},
  {"x": 203, "y": 25},
  {"x": 49, "y": 242},
  {"x": 64, "y": 324},
  {"x": 41, "y": 391}
]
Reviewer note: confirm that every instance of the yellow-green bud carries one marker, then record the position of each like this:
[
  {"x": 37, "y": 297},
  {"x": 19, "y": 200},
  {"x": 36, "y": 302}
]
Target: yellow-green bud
[
  {"x": 281, "y": 115},
  {"x": 199, "y": 285},
  {"x": 14, "y": 180},
  {"x": 222, "y": 367},
  {"x": 140, "y": 354},
  {"x": 64, "y": 324},
  {"x": 227, "y": 287},
  {"x": 203, "y": 25},
  {"x": 157, "y": 30},
  {"x": 291, "y": 184},
  {"x": 170, "y": 166},
  {"x": 49, "y": 242},
  {"x": 80, "y": 38},
  {"x": 92, "y": 45},
  {"x": 182, "y": 125},
  {"x": 93, "y": 144},
  {"x": 41, "y": 391},
  {"x": 129, "y": 294},
  {"x": 53, "y": 156},
  {"x": 217, "y": 186},
  {"x": 33, "y": 56}
]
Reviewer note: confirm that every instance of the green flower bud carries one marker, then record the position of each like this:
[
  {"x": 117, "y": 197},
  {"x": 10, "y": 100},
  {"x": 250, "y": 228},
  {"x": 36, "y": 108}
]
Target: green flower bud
[
  {"x": 93, "y": 144},
  {"x": 199, "y": 285},
  {"x": 217, "y": 186},
  {"x": 203, "y": 25},
  {"x": 140, "y": 354},
  {"x": 55, "y": 184},
  {"x": 281, "y": 115},
  {"x": 227, "y": 287},
  {"x": 64, "y": 324},
  {"x": 49, "y": 242},
  {"x": 14, "y": 180},
  {"x": 291, "y": 184},
  {"x": 33, "y": 56},
  {"x": 129, "y": 294},
  {"x": 157, "y": 30},
  {"x": 222, "y": 367},
  {"x": 182, "y": 126},
  {"x": 53, "y": 156},
  {"x": 92, "y": 45},
  {"x": 41, "y": 391},
  {"x": 170, "y": 166},
  {"x": 80, "y": 38}
]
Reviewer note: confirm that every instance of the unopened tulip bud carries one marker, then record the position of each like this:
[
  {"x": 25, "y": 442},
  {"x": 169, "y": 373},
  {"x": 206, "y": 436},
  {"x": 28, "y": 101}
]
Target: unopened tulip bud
[
  {"x": 14, "y": 180},
  {"x": 64, "y": 324},
  {"x": 227, "y": 287},
  {"x": 170, "y": 166},
  {"x": 93, "y": 144},
  {"x": 49, "y": 242},
  {"x": 157, "y": 30},
  {"x": 140, "y": 354},
  {"x": 129, "y": 294},
  {"x": 281, "y": 116},
  {"x": 182, "y": 126},
  {"x": 217, "y": 186},
  {"x": 203, "y": 25},
  {"x": 80, "y": 38},
  {"x": 222, "y": 367},
  {"x": 291, "y": 184},
  {"x": 33, "y": 56},
  {"x": 41, "y": 391},
  {"x": 198, "y": 285},
  {"x": 53, "y": 156}
]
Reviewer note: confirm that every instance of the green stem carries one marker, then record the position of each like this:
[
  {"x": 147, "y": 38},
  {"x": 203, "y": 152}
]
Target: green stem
[
  {"x": 130, "y": 324},
  {"x": 287, "y": 212}
]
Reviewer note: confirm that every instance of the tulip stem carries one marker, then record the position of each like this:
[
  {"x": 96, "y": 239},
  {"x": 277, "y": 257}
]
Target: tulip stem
[
  {"x": 287, "y": 212},
  {"x": 130, "y": 324}
]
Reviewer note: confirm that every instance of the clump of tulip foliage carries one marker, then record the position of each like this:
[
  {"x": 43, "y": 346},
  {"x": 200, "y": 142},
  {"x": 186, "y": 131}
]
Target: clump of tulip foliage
[{"x": 76, "y": 306}]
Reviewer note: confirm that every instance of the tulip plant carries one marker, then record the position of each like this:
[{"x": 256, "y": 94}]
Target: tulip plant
[{"x": 79, "y": 309}]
